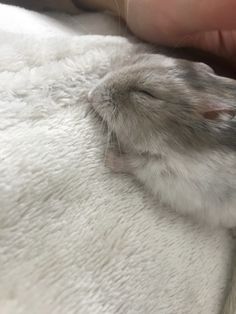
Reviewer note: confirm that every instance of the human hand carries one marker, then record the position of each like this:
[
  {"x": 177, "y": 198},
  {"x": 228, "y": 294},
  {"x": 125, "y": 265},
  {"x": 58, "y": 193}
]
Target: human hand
[{"x": 209, "y": 25}]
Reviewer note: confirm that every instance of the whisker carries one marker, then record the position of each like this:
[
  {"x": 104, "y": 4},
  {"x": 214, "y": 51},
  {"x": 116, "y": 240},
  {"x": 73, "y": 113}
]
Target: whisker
[
  {"x": 119, "y": 18},
  {"x": 107, "y": 143}
]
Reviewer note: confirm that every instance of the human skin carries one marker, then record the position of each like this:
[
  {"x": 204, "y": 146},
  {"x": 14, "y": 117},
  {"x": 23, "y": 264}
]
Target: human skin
[{"x": 209, "y": 25}]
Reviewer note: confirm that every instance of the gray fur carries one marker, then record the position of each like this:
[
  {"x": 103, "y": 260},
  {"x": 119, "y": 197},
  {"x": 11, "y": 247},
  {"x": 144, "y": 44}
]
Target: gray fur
[{"x": 158, "y": 108}]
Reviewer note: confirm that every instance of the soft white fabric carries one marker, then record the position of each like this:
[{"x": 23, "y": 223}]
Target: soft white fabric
[{"x": 75, "y": 238}]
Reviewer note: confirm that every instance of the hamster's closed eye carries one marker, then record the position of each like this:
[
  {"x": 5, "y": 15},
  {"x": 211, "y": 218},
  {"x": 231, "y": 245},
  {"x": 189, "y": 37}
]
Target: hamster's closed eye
[{"x": 145, "y": 93}]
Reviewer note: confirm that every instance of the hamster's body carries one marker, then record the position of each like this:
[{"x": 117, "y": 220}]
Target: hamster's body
[
  {"x": 189, "y": 183},
  {"x": 175, "y": 124}
]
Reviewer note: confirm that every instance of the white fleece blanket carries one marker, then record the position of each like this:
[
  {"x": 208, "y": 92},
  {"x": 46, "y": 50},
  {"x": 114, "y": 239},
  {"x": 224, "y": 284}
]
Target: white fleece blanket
[{"x": 75, "y": 238}]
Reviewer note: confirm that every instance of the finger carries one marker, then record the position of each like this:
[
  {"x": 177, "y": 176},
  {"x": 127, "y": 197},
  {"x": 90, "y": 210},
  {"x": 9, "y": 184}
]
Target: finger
[
  {"x": 164, "y": 21},
  {"x": 206, "y": 15},
  {"x": 222, "y": 43}
]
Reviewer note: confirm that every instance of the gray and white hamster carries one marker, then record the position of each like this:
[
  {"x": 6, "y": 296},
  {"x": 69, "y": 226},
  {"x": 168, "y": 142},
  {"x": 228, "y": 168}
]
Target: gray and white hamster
[{"x": 176, "y": 126}]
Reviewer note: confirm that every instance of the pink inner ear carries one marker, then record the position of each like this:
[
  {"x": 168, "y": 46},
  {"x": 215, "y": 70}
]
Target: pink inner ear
[{"x": 217, "y": 113}]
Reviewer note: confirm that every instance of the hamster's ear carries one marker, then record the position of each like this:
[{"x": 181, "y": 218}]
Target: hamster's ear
[{"x": 218, "y": 112}]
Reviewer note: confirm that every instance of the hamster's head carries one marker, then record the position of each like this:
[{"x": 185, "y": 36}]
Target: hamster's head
[{"x": 159, "y": 101}]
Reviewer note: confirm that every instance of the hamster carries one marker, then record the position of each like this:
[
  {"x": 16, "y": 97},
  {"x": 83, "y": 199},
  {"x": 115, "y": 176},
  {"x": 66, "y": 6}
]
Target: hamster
[{"x": 175, "y": 121}]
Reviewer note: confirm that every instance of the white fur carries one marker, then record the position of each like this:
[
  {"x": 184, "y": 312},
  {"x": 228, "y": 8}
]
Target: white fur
[{"x": 75, "y": 238}]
